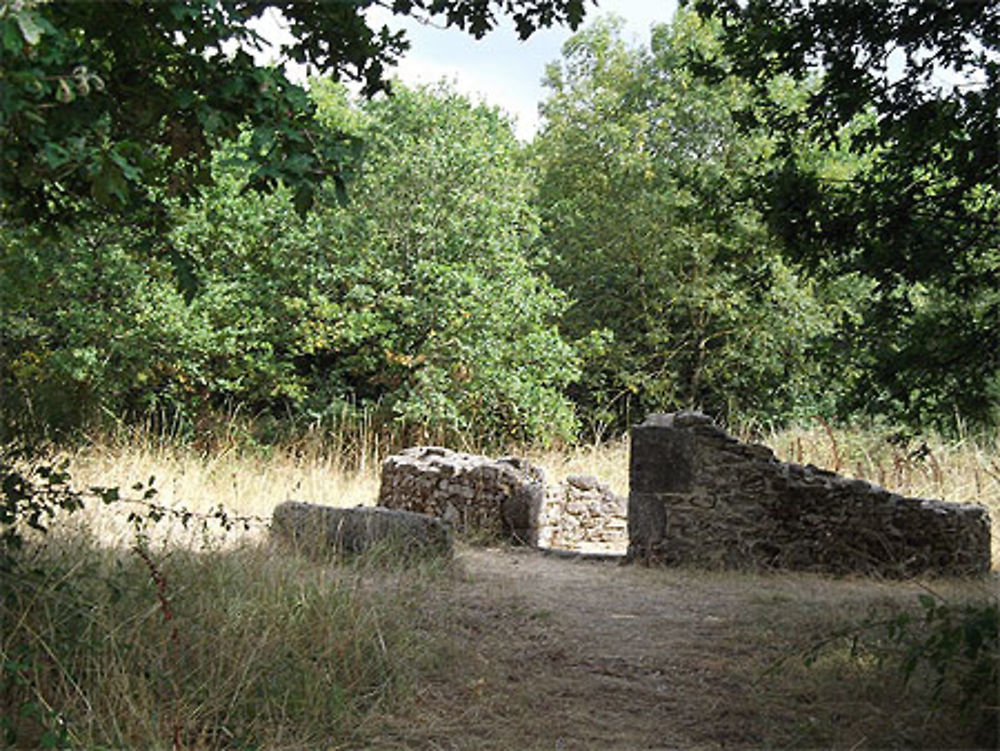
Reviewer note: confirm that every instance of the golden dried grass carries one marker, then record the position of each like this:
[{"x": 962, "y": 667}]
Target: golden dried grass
[
  {"x": 250, "y": 480},
  {"x": 343, "y": 470}
]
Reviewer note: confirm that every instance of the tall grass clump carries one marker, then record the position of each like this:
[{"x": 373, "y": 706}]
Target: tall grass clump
[
  {"x": 227, "y": 468},
  {"x": 152, "y": 639},
  {"x": 174, "y": 648}
]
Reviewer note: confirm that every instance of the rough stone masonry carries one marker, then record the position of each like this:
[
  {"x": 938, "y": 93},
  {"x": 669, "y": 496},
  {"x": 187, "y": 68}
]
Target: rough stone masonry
[
  {"x": 699, "y": 496},
  {"x": 507, "y": 498},
  {"x": 476, "y": 494}
]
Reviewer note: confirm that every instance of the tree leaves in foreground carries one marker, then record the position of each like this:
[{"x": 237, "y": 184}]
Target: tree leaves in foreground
[
  {"x": 117, "y": 103},
  {"x": 922, "y": 217}
]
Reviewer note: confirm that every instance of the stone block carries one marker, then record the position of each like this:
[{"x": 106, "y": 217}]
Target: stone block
[
  {"x": 662, "y": 456},
  {"x": 326, "y": 530}
]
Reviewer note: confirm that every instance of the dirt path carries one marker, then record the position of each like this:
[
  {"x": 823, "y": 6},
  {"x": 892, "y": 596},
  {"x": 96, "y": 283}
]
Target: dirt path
[
  {"x": 607, "y": 658},
  {"x": 550, "y": 653}
]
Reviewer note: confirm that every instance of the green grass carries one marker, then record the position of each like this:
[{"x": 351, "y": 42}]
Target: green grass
[{"x": 244, "y": 647}]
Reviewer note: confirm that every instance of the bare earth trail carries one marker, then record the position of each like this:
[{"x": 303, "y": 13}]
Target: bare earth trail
[{"x": 559, "y": 653}]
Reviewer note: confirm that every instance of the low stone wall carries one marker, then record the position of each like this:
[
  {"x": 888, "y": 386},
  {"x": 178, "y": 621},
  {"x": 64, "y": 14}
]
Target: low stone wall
[
  {"x": 583, "y": 514},
  {"x": 699, "y": 496},
  {"x": 507, "y": 498},
  {"x": 499, "y": 498},
  {"x": 326, "y": 530}
]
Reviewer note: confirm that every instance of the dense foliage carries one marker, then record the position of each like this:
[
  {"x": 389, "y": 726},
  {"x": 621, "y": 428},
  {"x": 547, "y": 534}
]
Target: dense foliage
[
  {"x": 921, "y": 216},
  {"x": 132, "y": 281},
  {"x": 695, "y": 226},
  {"x": 642, "y": 184},
  {"x": 418, "y": 299},
  {"x": 442, "y": 227}
]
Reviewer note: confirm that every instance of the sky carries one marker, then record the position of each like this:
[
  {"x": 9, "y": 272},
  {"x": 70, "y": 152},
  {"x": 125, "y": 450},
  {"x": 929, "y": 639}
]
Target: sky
[
  {"x": 506, "y": 72},
  {"x": 500, "y": 69}
]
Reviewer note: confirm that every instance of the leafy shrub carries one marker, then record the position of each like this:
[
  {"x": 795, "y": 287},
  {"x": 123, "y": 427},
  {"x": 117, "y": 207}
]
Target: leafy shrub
[
  {"x": 420, "y": 299},
  {"x": 960, "y": 646},
  {"x": 89, "y": 321},
  {"x": 954, "y": 649},
  {"x": 32, "y": 491}
]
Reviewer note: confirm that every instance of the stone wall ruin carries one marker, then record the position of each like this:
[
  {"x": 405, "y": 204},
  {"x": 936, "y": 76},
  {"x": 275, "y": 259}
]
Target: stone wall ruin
[
  {"x": 699, "y": 496},
  {"x": 325, "y": 530},
  {"x": 477, "y": 495},
  {"x": 583, "y": 514},
  {"x": 507, "y": 498}
]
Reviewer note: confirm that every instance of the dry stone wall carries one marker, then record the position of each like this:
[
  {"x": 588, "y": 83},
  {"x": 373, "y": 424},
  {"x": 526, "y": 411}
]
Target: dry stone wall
[
  {"x": 584, "y": 514},
  {"x": 476, "y": 494},
  {"x": 507, "y": 498},
  {"x": 699, "y": 496}
]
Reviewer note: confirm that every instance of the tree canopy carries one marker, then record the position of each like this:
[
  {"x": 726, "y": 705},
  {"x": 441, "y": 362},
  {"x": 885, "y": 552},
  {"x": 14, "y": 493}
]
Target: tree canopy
[
  {"x": 642, "y": 189},
  {"x": 912, "y": 89},
  {"x": 113, "y": 101},
  {"x": 778, "y": 211},
  {"x": 929, "y": 72},
  {"x": 417, "y": 301}
]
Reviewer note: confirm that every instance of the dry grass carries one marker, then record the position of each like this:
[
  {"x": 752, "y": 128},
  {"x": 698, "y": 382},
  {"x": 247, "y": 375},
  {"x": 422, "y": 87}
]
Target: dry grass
[
  {"x": 266, "y": 643},
  {"x": 606, "y": 461},
  {"x": 236, "y": 646},
  {"x": 963, "y": 471},
  {"x": 344, "y": 471},
  {"x": 245, "y": 480}
]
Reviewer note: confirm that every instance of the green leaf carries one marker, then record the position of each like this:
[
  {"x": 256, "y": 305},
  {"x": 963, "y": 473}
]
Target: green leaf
[
  {"x": 30, "y": 28},
  {"x": 55, "y": 155},
  {"x": 12, "y": 39},
  {"x": 107, "y": 495},
  {"x": 303, "y": 199}
]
